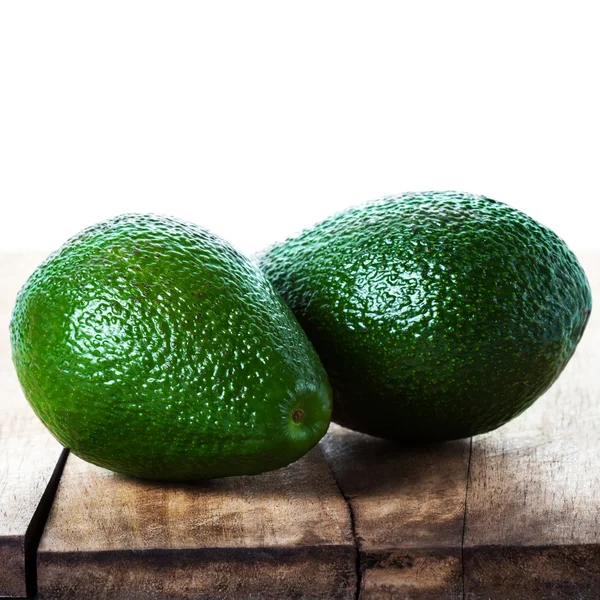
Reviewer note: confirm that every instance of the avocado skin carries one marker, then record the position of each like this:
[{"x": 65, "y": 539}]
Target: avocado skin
[
  {"x": 151, "y": 347},
  {"x": 437, "y": 315}
]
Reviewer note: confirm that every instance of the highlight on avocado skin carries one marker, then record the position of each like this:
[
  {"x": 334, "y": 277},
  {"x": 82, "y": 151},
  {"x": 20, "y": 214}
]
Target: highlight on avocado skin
[
  {"x": 149, "y": 346},
  {"x": 437, "y": 315}
]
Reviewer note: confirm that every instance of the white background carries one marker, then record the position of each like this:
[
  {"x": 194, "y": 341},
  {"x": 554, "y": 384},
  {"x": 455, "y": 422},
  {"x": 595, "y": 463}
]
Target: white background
[{"x": 258, "y": 118}]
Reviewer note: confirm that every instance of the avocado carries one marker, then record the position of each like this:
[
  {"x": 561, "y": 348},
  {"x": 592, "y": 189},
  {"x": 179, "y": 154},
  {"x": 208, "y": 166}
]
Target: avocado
[
  {"x": 149, "y": 346},
  {"x": 437, "y": 315}
]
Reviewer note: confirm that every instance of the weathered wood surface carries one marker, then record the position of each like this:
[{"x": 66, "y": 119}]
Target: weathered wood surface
[
  {"x": 533, "y": 506},
  {"x": 285, "y": 534},
  {"x": 408, "y": 507},
  {"x": 28, "y": 453}
]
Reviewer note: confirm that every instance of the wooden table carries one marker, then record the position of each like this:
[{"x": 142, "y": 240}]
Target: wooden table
[{"x": 510, "y": 515}]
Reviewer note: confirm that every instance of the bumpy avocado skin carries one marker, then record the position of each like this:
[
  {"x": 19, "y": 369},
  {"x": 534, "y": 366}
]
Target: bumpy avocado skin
[
  {"x": 437, "y": 315},
  {"x": 151, "y": 347}
]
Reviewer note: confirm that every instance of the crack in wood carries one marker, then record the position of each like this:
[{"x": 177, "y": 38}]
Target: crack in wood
[
  {"x": 464, "y": 528},
  {"x": 357, "y": 565},
  {"x": 36, "y": 527}
]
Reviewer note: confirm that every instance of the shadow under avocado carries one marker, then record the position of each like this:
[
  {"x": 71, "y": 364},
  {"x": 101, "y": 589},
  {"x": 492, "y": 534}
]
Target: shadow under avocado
[
  {"x": 367, "y": 465},
  {"x": 307, "y": 478}
]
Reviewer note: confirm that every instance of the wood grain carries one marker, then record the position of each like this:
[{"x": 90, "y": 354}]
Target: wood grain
[
  {"x": 284, "y": 534},
  {"x": 532, "y": 528},
  {"x": 28, "y": 453},
  {"x": 533, "y": 506},
  {"x": 408, "y": 507}
]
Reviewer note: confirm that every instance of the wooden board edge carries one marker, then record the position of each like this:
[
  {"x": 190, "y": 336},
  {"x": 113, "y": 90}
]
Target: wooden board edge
[
  {"x": 12, "y": 565},
  {"x": 315, "y": 572},
  {"x": 416, "y": 573},
  {"x": 532, "y": 572}
]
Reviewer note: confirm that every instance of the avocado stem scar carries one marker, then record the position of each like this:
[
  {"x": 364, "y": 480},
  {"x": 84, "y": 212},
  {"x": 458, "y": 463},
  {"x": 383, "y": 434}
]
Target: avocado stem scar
[{"x": 298, "y": 415}]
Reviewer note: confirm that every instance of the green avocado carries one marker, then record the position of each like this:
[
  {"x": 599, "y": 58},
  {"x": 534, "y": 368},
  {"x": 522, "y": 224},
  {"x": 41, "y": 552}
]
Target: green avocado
[
  {"x": 437, "y": 315},
  {"x": 151, "y": 347}
]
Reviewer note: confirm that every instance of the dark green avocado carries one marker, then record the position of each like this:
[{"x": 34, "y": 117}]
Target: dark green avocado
[
  {"x": 437, "y": 315},
  {"x": 151, "y": 347}
]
